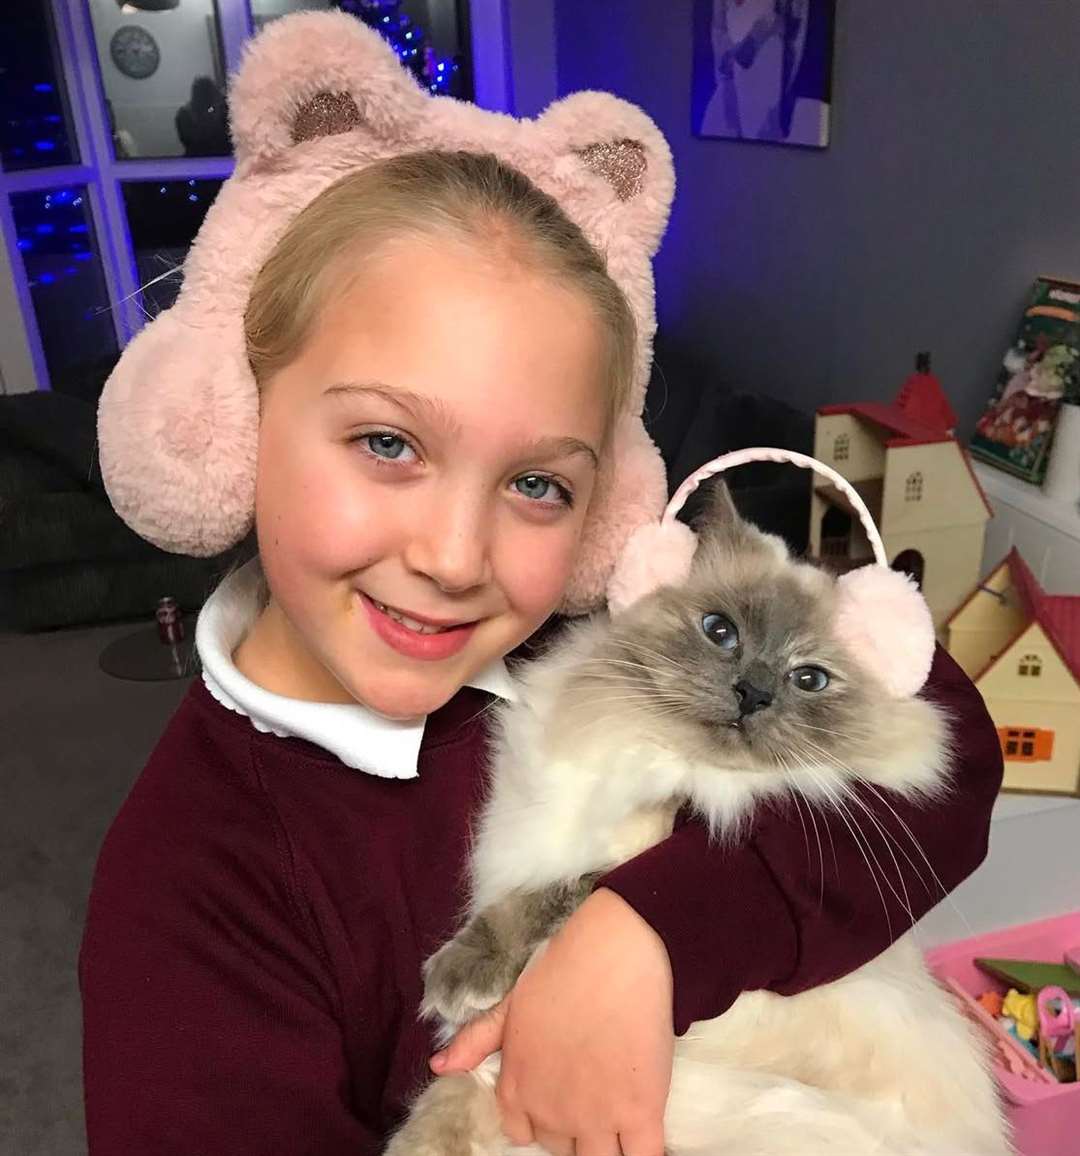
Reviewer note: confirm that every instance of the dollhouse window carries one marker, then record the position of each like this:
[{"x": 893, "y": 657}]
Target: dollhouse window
[
  {"x": 913, "y": 487},
  {"x": 1020, "y": 744},
  {"x": 841, "y": 448},
  {"x": 1030, "y": 666},
  {"x": 1026, "y": 744}
]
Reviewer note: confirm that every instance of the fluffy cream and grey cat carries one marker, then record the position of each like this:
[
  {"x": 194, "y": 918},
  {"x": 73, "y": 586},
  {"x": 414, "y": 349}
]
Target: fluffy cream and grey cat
[{"x": 720, "y": 693}]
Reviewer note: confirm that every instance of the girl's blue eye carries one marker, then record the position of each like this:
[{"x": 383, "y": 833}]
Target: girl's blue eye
[
  {"x": 386, "y": 445},
  {"x": 541, "y": 489}
]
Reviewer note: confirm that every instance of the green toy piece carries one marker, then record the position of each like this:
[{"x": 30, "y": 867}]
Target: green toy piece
[{"x": 1028, "y": 975}]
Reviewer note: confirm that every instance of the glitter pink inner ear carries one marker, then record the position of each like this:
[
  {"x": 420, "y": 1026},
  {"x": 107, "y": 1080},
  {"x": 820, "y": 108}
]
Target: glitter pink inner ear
[{"x": 319, "y": 96}]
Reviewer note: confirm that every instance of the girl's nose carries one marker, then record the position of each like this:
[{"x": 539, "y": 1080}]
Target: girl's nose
[{"x": 451, "y": 545}]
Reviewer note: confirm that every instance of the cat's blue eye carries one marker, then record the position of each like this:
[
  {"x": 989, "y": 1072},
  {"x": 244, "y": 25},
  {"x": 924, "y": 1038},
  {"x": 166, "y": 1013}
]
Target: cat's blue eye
[
  {"x": 809, "y": 678},
  {"x": 386, "y": 445},
  {"x": 721, "y": 630}
]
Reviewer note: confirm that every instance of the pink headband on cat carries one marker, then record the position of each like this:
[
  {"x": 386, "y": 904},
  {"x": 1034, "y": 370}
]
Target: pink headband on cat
[
  {"x": 882, "y": 617},
  {"x": 319, "y": 96}
]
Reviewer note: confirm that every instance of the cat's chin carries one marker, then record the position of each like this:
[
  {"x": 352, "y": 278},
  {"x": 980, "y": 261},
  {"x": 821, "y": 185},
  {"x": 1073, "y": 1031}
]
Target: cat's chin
[{"x": 733, "y": 738}]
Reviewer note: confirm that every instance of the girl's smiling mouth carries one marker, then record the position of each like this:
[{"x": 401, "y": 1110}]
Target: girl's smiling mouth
[{"x": 415, "y": 637}]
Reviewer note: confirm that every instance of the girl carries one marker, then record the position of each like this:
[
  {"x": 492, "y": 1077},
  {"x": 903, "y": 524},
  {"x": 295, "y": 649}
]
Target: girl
[{"x": 417, "y": 373}]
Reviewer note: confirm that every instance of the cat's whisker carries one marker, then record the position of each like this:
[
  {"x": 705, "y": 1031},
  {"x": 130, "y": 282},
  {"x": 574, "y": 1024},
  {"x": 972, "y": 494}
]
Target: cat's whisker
[
  {"x": 887, "y": 836},
  {"x": 823, "y": 730},
  {"x": 906, "y": 900},
  {"x": 946, "y": 894},
  {"x": 641, "y": 648},
  {"x": 853, "y": 831},
  {"x": 794, "y": 795}
]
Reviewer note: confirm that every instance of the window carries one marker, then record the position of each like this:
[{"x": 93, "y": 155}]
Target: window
[
  {"x": 68, "y": 293},
  {"x": 913, "y": 487},
  {"x": 162, "y": 217},
  {"x": 35, "y": 129},
  {"x": 841, "y": 448},
  {"x": 1026, "y": 744},
  {"x": 1030, "y": 666},
  {"x": 163, "y": 73}
]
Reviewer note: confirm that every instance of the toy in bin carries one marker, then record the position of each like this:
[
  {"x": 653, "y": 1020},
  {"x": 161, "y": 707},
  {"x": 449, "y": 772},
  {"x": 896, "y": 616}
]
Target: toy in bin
[
  {"x": 1041, "y": 1012},
  {"x": 1043, "y": 1109},
  {"x": 1059, "y": 1032}
]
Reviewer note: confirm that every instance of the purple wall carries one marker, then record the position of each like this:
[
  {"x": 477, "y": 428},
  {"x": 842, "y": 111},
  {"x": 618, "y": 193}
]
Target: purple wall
[{"x": 950, "y": 183}]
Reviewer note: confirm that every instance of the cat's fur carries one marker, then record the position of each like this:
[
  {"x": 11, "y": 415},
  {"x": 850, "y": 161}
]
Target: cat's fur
[{"x": 623, "y": 723}]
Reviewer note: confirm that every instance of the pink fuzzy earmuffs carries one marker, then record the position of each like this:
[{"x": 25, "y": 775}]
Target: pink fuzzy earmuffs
[
  {"x": 881, "y": 616},
  {"x": 317, "y": 97}
]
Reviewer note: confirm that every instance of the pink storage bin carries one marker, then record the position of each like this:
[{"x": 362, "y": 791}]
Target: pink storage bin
[{"x": 1045, "y": 1115}]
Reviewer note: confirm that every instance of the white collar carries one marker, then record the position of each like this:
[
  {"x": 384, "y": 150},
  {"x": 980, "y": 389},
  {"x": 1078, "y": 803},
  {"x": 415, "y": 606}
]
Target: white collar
[{"x": 358, "y": 736}]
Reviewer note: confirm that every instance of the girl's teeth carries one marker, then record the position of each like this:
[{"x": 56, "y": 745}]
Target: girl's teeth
[{"x": 409, "y": 623}]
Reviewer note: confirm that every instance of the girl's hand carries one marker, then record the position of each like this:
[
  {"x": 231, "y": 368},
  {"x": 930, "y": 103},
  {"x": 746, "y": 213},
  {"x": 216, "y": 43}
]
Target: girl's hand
[{"x": 586, "y": 1038}]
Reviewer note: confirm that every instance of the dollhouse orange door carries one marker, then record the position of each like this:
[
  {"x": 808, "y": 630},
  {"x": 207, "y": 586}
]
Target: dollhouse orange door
[{"x": 1026, "y": 744}]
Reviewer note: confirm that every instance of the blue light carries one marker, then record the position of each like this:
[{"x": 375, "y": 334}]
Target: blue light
[
  {"x": 70, "y": 270},
  {"x": 83, "y": 256},
  {"x": 24, "y": 245},
  {"x": 77, "y": 228},
  {"x": 52, "y": 118},
  {"x": 442, "y": 65},
  {"x": 44, "y": 230},
  {"x": 45, "y": 146},
  {"x": 43, "y": 88},
  {"x": 46, "y": 279}
]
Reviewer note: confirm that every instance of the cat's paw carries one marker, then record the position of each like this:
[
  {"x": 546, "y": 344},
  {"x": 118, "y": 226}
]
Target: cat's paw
[
  {"x": 454, "y": 1116},
  {"x": 465, "y": 978}
]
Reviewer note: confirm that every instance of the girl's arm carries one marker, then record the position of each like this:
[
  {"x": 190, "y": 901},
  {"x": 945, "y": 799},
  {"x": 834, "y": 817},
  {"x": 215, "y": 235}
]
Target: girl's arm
[{"x": 794, "y": 906}]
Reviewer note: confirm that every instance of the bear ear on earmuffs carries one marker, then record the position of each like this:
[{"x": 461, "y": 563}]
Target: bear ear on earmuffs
[
  {"x": 881, "y": 617},
  {"x": 318, "y": 96}
]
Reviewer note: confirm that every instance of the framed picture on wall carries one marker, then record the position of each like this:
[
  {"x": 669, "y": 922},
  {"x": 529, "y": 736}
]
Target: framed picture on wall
[{"x": 763, "y": 70}]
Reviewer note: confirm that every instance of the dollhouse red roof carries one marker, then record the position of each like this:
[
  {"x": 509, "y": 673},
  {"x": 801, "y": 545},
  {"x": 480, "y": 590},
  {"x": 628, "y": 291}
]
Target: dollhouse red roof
[
  {"x": 1057, "y": 614},
  {"x": 906, "y": 430},
  {"x": 922, "y": 398}
]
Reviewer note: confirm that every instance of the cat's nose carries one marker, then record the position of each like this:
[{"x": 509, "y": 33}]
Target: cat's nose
[{"x": 751, "y": 698}]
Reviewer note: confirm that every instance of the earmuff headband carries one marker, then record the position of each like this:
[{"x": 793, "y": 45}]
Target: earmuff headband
[{"x": 769, "y": 454}]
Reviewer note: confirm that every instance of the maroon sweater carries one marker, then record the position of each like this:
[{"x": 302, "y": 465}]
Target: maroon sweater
[{"x": 251, "y": 963}]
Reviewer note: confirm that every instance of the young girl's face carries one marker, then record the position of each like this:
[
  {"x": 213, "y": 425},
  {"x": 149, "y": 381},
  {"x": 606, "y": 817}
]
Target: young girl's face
[{"x": 425, "y": 464}]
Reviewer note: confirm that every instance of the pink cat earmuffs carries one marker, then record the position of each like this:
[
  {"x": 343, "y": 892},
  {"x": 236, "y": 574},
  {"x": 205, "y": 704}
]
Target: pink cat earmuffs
[
  {"x": 318, "y": 96},
  {"x": 881, "y": 616}
]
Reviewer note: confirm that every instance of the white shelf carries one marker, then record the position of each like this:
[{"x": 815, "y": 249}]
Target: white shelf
[
  {"x": 1045, "y": 531},
  {"x": 1023, "y": 496}
]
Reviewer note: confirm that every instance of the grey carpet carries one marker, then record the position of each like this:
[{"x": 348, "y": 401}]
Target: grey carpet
[{"x": 72, "y": 741}]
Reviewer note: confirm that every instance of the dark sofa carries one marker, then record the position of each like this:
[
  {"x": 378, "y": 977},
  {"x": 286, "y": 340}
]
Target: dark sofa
[{"x": 65, "y": 557}]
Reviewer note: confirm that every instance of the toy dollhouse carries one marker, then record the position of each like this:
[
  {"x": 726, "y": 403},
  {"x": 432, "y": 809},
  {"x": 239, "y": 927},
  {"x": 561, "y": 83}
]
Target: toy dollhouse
[
  {"x": 1021, "y": 648},
  {"x": 917, "y": 481}
]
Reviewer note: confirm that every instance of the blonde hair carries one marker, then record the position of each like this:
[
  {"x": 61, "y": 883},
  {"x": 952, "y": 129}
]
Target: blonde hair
[{"x": 473, "y": 197}]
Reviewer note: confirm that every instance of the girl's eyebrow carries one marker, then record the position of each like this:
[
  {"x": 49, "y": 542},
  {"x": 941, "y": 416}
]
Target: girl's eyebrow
[
  {"x": 434, "y": 410},
  {"x": 415, "y": 404}
]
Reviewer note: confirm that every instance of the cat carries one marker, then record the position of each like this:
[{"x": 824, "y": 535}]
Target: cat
[{"x": 722, "y": 693}]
